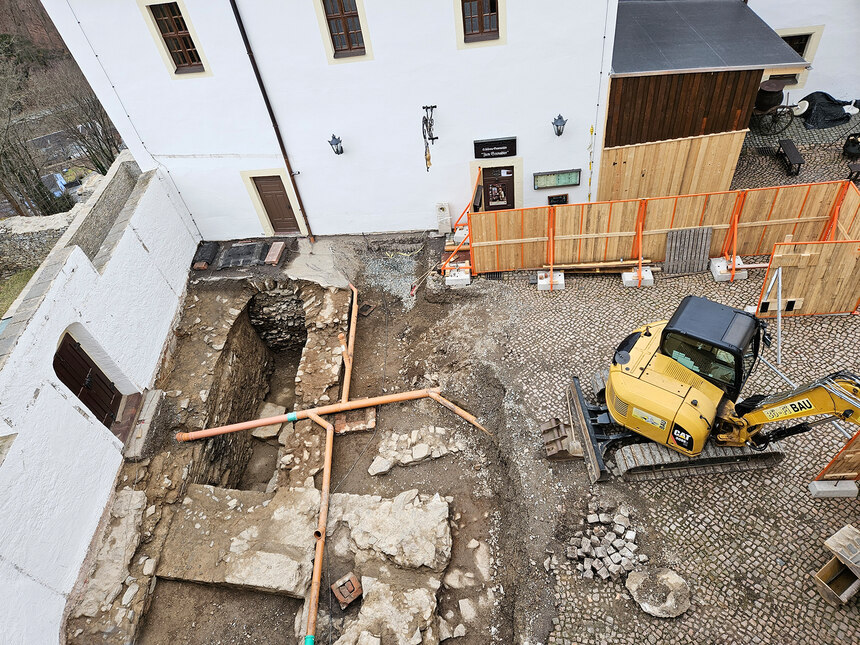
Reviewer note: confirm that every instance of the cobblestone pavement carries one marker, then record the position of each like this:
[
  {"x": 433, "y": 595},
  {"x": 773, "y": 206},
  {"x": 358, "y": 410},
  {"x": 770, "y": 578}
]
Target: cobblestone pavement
[
  {"x": 747, "y": 543},
  {"x": 798, "y": 133},
  {"x": 760, "y": 164}
]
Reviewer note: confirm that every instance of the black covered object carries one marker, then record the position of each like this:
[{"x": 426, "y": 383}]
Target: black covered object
[{"x": 824, "y": 111}]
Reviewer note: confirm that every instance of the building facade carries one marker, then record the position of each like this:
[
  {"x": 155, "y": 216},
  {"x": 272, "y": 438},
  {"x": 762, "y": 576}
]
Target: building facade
[
  {"x": 823, "y": 33},
  {"x": 177, "y": 81}
]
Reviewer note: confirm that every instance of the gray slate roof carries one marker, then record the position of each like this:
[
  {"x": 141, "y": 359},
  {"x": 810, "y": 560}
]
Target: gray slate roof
[{"x": 662, "y": 36}]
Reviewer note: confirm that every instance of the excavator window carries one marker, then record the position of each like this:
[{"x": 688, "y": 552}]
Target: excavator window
[{"x": 709, "y": 361}]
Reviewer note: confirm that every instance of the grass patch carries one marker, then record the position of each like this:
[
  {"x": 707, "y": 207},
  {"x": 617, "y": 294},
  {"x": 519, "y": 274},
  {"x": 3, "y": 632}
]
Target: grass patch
[{"x": 10, "y": 288}]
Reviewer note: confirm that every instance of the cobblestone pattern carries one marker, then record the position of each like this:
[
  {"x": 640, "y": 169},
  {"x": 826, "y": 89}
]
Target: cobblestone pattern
[
  {"x": 760, "y": 164},
  {"x": 747, "y": 543},
  {"x": 798, "y": 133}
]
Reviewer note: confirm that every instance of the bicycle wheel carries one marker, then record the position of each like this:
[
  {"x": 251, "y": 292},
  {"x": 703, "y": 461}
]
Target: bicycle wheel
[{"x": 776, "y": 121}]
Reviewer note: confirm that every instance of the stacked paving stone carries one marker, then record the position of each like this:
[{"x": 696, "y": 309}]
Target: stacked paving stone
[{"x": 607, "y": 547}]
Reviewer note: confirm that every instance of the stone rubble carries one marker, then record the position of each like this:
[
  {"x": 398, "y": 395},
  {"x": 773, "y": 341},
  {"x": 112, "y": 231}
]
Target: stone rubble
[
  {"x": 606, "y": 547},
  {"x": 421, "y": 444},
  {"x": 659, "y": 592}
]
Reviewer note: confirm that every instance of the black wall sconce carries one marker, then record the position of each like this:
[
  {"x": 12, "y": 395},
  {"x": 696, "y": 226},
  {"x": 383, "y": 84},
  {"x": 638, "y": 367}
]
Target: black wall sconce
[
  {"x": 558, "y": 125},
  {"x": 336, "y": 145}
]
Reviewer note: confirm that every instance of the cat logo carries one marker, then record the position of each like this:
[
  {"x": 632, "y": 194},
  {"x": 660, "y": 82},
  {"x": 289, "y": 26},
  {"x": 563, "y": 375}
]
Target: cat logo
[{"x": 789, "y": 409}]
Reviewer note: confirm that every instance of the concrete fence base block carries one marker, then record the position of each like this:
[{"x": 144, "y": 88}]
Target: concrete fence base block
[
  {"x": 458, "y": 278},
  {"x": 842, "y": 488},
  {"x": 545, "y": 280},
  {"x": 722, "y": 272},
  {"x": 631, "y": 278}
]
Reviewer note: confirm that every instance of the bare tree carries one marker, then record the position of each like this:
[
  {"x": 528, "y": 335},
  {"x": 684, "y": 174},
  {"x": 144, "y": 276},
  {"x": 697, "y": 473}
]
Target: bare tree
[
  {"x": 21, "y": 164},
  {"x": 75, "y": 109}
]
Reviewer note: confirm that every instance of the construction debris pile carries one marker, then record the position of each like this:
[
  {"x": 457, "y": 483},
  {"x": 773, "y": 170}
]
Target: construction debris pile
[
  {"x": 413, "y": 447},
  {"x": 607, "y": 547}
]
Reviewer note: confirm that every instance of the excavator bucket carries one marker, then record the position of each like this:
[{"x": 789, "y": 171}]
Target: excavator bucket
[{"x": 595, "y": 429}]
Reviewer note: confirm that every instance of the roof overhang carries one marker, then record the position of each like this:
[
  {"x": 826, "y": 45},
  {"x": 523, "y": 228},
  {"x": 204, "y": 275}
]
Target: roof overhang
[{"x": 687, "y": 36}]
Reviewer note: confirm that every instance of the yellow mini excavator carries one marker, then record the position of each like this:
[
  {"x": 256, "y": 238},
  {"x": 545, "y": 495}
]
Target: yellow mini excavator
[{"x": 677, "y": 384}]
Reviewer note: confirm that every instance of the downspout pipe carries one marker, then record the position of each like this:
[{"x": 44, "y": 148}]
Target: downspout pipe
[{"x": 271, "y": 112}]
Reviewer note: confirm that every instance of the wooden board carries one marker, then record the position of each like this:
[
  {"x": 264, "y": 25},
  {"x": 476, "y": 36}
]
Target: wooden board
[
  {"x": 605, "y": 231},
  {"x": 849, "y": 215},
  {"x": 677, "y": 167},
  {"x": 817, "y": 278},
  {"x": 846, "y": 464},
  {"x": 687, "y": 250},
  {"x": 674, "y": 106}
]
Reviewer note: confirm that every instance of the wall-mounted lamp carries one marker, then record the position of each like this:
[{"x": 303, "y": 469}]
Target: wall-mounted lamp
[
  {"x": 336, "y": 145},
  {"x": 558, "y": 124}
]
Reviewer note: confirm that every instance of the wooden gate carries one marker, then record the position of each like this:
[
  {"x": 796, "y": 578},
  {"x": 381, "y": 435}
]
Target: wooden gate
[
  {"x": 846, "y": 463},
  {"x": 817, "y": 278},
  {"x": 81, "y": 375}
]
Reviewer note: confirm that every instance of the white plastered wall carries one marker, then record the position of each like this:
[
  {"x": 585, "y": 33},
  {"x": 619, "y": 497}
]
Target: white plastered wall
[
  {"x": 59, "y": 472},
  {"x": 206, "y": 131},
  {"x": 832, "y": 64}
]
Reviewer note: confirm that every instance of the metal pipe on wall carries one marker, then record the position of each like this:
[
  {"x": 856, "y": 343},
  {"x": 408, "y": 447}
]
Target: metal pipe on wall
[{"x": 274, "y": 119}]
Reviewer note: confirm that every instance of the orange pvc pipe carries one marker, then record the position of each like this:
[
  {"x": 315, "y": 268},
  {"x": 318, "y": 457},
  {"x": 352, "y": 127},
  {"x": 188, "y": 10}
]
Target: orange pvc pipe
[
  {"x": 305, "y": 414},
  {"x": 319, "y": 534},
  {"x": 457, "y": 410},
  {"x": 350, "y": 347}
]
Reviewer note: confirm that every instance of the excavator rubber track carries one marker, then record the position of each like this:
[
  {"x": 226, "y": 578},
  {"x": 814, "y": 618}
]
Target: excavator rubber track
[{"x": 647, "y": 460}]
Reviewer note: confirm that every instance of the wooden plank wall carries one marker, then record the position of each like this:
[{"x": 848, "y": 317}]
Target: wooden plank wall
[
  {"x": 675, "y": 106},
  {"x": 605, "y": 231},
  {"x": 817, "y": 278},
  {"x": 849, "y": 215},
  {"x": 679, "y": 167}
]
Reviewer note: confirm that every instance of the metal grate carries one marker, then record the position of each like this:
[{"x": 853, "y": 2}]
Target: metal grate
[
  {"x": 245, "y": 254},
  {"x": 687, "y": 250}
]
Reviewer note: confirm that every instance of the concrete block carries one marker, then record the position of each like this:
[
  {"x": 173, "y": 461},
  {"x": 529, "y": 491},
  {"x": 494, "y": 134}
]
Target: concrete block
[
  {"x": 458, "y": 278},
  {"x": 631, "y": 278},
  {"x": 557, "y": 280},
  {"x": 460, "y": 234},
  {"x": 844, "y": 488},
  {"x": 134, "y": 446},
  {"x": 722, "y": 272}
]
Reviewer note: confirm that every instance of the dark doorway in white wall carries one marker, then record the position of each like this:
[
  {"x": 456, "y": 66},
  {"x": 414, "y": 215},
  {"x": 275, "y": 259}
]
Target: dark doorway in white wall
[
  {"x": 276, "y": 203},
  {"x": 82, "y": 376},
  {"x": 498, "y": 188}
]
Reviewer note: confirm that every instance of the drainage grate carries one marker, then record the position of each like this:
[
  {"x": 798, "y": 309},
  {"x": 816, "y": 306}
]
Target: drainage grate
[
  {"x": 495, "y": 275},
  {"x": 244, "y": 254}
]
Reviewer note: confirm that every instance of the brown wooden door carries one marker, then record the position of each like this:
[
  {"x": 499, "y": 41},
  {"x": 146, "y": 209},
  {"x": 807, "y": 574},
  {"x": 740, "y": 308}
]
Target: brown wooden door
[
  {"x": 498, "y": 188},
  {"x": 277, "y": 204},
  {"x": 82, "y": 376}
]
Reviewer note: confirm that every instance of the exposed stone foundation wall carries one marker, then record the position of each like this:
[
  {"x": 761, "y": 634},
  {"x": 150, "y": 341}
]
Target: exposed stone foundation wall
[
  {"x": 241, "y": 381},
  {"x": 279, "y": 318},
  {"x": 218, "y": 374}
]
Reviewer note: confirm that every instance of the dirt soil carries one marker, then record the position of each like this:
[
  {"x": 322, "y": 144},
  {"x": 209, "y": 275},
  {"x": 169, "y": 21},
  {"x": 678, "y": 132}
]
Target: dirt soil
[{"x": 184, "y": 613}]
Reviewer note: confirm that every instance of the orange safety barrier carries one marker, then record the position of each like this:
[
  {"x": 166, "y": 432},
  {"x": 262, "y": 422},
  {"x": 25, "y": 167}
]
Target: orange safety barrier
[{"x": 799, "y": 206}]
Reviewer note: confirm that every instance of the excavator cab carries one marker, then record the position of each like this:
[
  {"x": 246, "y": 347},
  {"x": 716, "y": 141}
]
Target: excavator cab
[{"x": 719, "y": 343}]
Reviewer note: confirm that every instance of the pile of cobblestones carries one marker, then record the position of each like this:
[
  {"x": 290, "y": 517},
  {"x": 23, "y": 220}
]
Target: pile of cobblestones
[{"x": 607, "y": 547}]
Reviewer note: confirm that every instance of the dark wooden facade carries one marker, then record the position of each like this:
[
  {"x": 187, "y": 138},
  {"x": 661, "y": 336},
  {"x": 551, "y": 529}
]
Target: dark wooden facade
[{"x": 675, "y": 106}]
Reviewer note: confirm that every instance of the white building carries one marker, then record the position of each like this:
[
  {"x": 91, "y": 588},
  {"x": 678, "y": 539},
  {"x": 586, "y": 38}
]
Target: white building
[
  {"x": 207, "y": 124},
  {"x": 824, "y": 33},
  {"x": 113, "y": 283}
]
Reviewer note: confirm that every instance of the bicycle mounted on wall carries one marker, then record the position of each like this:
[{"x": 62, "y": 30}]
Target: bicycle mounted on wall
[{"x": 427, "y": 132}]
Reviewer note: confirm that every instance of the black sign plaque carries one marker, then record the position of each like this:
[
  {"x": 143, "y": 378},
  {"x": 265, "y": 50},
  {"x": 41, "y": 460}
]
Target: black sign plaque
[{"x": 492, "y": 148}]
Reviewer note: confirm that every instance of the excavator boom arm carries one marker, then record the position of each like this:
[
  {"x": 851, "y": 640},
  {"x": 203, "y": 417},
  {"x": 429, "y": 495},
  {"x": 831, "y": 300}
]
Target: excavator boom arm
[{"x": 837, "y": 396}]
